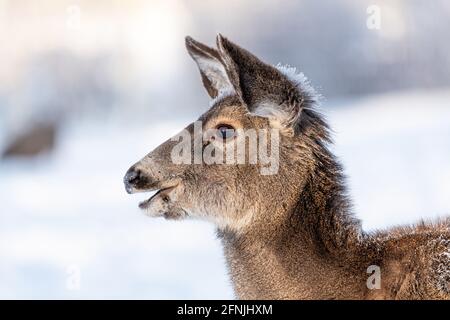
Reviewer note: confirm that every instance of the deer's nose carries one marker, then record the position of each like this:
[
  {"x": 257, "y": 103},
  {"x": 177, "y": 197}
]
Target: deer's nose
[{"x": 134, "y": 178}]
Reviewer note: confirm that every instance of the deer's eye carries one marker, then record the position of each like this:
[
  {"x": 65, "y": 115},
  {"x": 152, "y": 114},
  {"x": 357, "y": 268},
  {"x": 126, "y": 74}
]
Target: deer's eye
[{"x": 225, "y": 131}]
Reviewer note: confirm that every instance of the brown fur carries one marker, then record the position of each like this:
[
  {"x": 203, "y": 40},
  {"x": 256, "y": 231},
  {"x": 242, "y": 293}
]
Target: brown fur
[{"x": 291, "y": 235}]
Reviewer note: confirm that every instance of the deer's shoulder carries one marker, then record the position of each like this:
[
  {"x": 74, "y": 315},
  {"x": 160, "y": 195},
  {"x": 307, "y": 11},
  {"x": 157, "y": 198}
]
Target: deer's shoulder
[{"x": 417, "y": 260}]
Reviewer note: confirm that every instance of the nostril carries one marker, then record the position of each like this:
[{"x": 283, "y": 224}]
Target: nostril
[{"x": 132, "y": 178}]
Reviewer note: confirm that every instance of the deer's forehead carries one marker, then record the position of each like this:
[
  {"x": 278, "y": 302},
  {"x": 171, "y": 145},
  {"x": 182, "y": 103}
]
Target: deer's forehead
[{"x": 227, "y": 110}]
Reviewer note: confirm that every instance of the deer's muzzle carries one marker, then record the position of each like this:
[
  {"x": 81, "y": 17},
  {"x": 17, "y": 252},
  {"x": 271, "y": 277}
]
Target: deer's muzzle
[
  {"x": 142, "y": 180},
  {"x": 135, "y": 180}
]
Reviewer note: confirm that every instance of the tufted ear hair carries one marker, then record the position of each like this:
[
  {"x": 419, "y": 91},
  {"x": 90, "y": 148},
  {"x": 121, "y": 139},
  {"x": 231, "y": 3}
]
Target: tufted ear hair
[
  {"x": 268, "y": 91},
  {"x": 212, "y": 70}
]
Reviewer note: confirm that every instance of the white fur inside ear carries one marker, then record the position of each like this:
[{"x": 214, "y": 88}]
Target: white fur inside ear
[
  {"x": 278, "y": 118},
  {"x": 270, "y": 111},
  {"x": 222, "y": 95},
  {"x": 216, "y": 73}
]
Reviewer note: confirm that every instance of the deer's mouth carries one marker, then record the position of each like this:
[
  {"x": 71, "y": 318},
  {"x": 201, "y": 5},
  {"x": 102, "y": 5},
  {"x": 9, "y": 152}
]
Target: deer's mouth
[{"x": 162, "y": 194}]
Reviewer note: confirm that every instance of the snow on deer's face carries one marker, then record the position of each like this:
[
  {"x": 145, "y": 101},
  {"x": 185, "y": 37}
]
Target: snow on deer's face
[{"x": 225, "y": 164}]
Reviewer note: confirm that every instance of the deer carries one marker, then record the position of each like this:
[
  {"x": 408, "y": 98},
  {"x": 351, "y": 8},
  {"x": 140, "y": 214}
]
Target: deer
[{"x": 291, "y": 234}]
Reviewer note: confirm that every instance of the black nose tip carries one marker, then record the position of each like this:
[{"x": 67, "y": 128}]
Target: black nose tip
[{"x": 132, "y": 179}]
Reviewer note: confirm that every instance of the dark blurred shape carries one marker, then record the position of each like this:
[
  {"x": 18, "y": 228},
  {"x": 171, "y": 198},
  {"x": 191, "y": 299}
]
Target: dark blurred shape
[{"x": 35, "y": 140}]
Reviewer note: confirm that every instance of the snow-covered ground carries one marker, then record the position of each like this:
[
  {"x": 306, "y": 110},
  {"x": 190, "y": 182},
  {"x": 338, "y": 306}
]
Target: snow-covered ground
[{"x": 68, "y": 229}]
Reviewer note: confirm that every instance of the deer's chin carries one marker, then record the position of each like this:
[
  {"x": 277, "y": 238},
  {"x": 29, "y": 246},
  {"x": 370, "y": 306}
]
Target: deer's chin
[{"x": 168, "y": 215}]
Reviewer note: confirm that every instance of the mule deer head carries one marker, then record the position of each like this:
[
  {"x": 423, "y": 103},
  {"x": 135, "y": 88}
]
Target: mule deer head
[{"x": 247, "y": 95}]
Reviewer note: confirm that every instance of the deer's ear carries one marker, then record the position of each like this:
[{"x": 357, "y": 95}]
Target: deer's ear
[
  {"x": 214, "y": 76},
  {"x": 266, "y": 90}
]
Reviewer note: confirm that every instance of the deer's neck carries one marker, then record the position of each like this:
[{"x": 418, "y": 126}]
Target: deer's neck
[{"x": 310, "y": 251}]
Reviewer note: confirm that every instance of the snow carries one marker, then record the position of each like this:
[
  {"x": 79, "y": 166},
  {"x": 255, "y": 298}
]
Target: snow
[{"x": 70, "y": 211}]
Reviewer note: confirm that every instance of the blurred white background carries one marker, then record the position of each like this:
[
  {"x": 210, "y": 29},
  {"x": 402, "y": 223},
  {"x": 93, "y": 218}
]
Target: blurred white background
[{"x": 87, "y": 88}]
